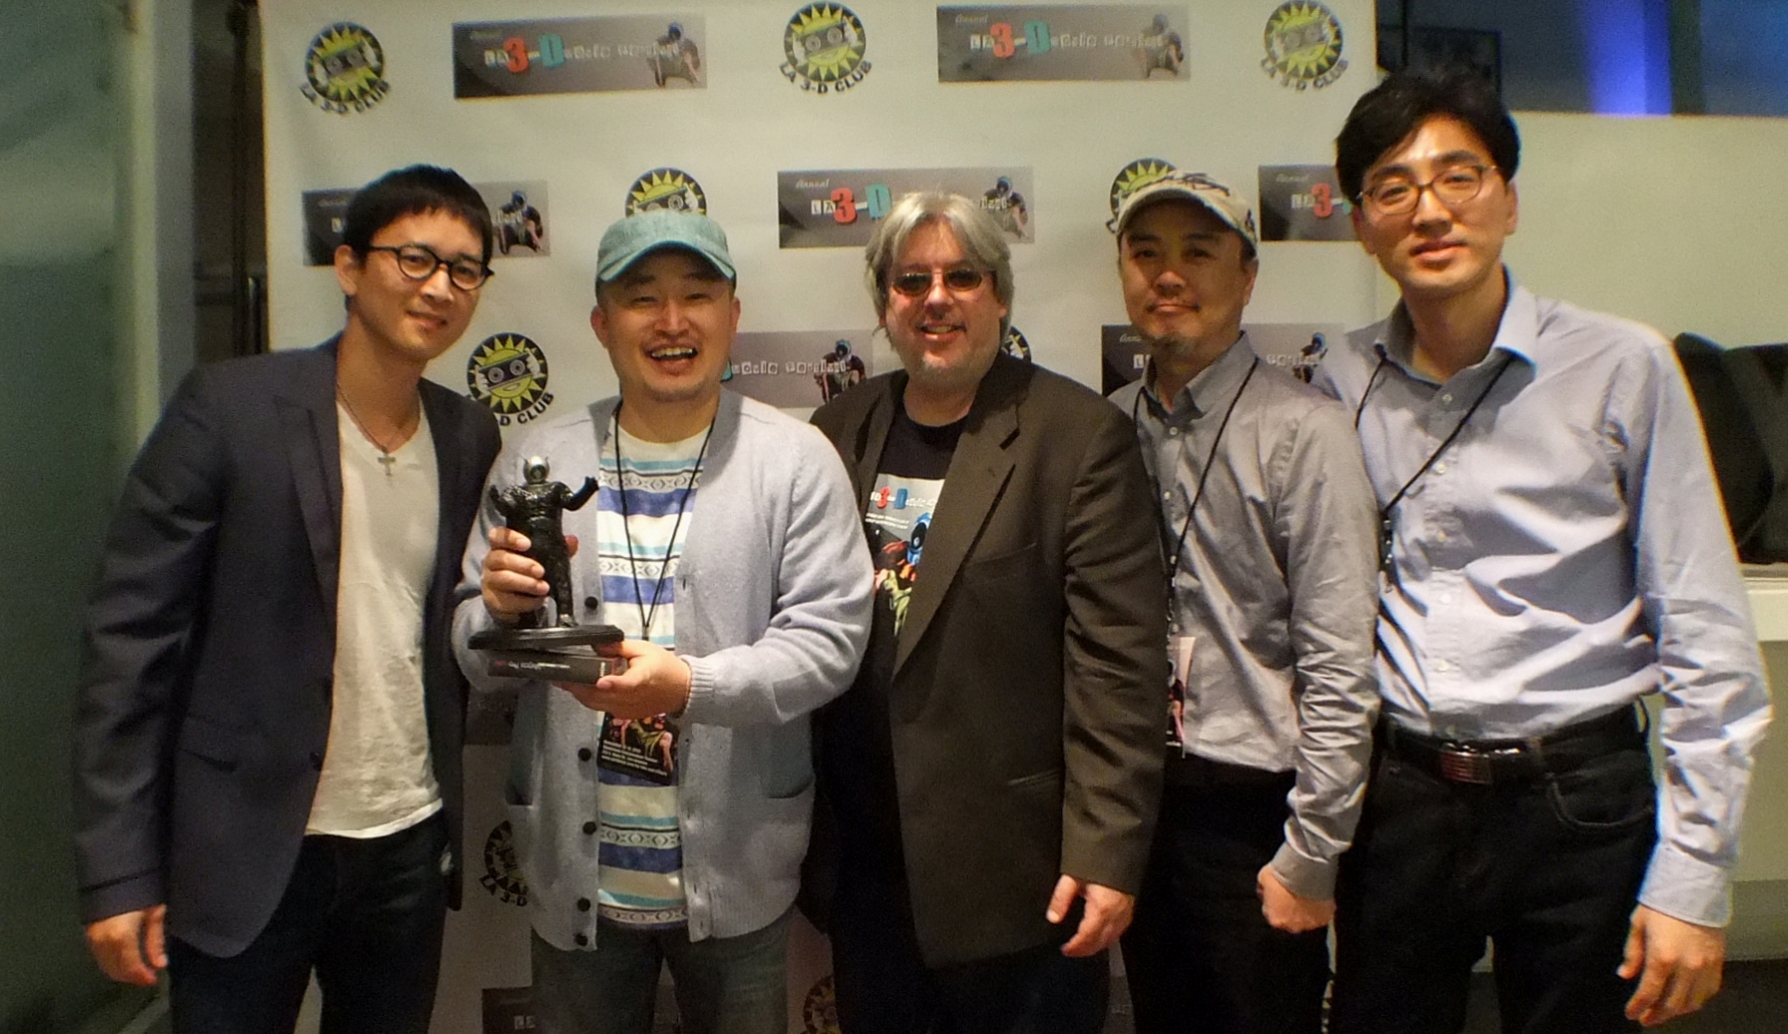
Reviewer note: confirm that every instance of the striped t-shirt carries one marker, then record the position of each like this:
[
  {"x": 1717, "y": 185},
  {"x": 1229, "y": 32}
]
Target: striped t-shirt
[{"x": 641, "y": 851}]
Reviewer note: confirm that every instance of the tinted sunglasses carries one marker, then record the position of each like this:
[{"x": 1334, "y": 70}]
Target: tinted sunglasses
[{"x": 957, "y": 280}]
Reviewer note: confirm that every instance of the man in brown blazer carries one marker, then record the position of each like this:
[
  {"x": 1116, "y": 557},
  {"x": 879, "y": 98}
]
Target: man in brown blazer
[{"x": 990, "y": 781}]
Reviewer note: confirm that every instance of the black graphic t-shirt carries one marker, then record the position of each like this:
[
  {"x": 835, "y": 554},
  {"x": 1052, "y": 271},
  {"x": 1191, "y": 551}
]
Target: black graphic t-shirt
[{"x": 909, "y": 480}]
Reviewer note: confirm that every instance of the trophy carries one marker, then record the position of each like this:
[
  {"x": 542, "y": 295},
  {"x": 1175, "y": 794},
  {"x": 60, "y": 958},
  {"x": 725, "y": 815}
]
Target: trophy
[{"x": 563, "y": 651}]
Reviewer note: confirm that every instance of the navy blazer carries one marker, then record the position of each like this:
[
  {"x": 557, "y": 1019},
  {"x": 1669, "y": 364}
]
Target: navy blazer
[{"x": 210, "y": 645}]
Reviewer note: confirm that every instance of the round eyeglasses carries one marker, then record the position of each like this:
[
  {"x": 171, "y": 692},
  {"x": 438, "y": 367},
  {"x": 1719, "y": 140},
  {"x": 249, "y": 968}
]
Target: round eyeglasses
[
  {"x": 1399, "y": 195},
  {"x": 419, "y": 263},
  {"x": 957, "y": 280}
]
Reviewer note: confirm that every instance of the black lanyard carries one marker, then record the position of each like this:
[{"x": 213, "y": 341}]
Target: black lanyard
[
  {"x": 645, "y": 616},
  {"x": 1179, "y": 544},
  {"x": 1387, "y": 521}
]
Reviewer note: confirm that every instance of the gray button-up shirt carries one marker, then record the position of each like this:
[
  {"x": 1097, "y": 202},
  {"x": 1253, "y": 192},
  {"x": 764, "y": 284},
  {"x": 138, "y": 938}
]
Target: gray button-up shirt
[
  {"x": 1565, "y": 555},
  {"x": 1276, "y": 582}
]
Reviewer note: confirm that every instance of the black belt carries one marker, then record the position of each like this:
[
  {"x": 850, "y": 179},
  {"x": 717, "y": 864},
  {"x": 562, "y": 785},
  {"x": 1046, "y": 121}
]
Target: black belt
[{"x": 1487, "y": 762}]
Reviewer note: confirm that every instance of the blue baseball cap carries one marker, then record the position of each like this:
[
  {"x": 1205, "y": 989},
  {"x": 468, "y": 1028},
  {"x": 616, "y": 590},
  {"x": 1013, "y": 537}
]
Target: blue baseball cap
[{"x": 633, "y": 238}]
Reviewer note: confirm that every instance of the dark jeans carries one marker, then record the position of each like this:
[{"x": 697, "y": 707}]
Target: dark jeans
[
  {"x": 1547, "y": 868},
  {"x": 884, "y": 986},
  {"x": 1200, "y": 957},
  {"x": 365, "y": 914},
  {"x": 725, "y": 985}
]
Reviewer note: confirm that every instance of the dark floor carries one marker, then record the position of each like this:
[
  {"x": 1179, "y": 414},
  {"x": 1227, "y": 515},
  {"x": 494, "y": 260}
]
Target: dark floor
[{"x": 1754, "y": 1000}]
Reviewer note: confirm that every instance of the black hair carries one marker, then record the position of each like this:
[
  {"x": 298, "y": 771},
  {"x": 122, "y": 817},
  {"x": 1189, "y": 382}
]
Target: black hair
[
  {"x": 1393, "y": 109},
  {"x": 411, "y": 191}
]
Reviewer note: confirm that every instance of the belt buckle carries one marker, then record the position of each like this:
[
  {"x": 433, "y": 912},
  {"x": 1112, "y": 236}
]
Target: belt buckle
[{"x": 1461, "y": 764}]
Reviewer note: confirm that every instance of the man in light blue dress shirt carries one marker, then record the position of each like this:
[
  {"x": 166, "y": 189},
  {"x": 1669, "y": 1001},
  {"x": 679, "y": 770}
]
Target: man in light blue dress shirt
[{"x": 1552, "y": 549}]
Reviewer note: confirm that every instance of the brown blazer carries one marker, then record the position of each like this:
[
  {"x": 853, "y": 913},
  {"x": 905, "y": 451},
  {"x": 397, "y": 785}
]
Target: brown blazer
[{"x": 1029, "y": 694}]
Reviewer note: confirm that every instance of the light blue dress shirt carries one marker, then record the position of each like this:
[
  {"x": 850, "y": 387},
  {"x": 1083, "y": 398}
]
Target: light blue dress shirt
[
  {"x": 1565, "y": 555},
  {"x": 1275, "y": 582}
]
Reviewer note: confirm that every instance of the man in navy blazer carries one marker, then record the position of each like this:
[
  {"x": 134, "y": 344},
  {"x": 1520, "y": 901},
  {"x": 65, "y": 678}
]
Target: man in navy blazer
[{"x": 267, "y": 742}]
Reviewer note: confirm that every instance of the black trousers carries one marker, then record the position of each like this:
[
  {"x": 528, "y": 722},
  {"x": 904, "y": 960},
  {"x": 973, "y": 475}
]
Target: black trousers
[
  {"x": 367, "y": 915},
  {"x": 884, "y": 986},
  {"x": 1200, "y": 957},
  {"x": 1548, "y": 869}
]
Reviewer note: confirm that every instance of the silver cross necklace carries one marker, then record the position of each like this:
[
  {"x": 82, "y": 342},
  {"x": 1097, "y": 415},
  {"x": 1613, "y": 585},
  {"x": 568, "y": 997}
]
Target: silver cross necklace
[{"x": 386, "y": 458}]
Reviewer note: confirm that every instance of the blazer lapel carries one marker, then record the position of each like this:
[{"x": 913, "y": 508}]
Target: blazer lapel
[
  {"x": 871, "y": 440},
  {"x": 444, "y": 430},
  {"x": 978, "y": 473},
  {"x": 308, "y": 427}
]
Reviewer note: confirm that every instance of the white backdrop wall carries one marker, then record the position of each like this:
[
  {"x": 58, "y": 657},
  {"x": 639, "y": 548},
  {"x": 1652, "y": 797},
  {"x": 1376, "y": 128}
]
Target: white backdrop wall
[{"x": 1223, "y": 113}]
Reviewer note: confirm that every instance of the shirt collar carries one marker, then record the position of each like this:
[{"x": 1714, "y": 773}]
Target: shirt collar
[
  {"x": 1208, "y": 388},
  {"x": 1517, "y": 334}
]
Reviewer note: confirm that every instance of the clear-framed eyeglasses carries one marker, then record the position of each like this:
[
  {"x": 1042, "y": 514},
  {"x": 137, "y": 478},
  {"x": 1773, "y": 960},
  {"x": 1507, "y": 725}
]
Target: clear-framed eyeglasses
[
  {"x": 1399, "y": 195},
  {"x": 419, "y": 262}
]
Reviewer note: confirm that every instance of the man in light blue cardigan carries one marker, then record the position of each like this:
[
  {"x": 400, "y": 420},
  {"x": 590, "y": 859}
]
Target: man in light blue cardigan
[{"x": 662, "y": 814}]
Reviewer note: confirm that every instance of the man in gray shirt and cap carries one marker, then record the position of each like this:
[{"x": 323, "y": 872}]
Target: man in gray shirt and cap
[{"x": 1267, "y": 518}]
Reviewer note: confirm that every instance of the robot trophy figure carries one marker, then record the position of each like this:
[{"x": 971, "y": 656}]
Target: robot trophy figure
[{"x": 564, "y": 650}]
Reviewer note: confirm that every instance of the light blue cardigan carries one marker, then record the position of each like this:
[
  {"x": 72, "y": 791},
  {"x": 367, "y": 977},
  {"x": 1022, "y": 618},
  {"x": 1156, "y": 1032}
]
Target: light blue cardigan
[{"x": 772, "y": 594}]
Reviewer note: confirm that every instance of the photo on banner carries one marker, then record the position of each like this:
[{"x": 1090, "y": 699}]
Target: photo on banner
[
  {"x": 839, "y": 208},
  {"x": 1303, "y": 203},
  {"x": 578, "y": 55},
  {"x": 1294, "y": 347},
  {"x": 799, "y": 370},
  {"x": 518, "y": 211},
  {"x": 1085, "y": 42}
]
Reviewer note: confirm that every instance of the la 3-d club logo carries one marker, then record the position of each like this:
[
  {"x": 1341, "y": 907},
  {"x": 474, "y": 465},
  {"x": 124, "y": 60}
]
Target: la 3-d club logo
[
  {"x": 1303, "y": 45},
  {"x": 502, "y": 875},
  {"x": 824, "y": 44},
  {"x": 1132, "y": 178},
  {"x": 666, "y": 188},
  {"x": 507, "y": 372},
  {"x": 344, "y": 69}
]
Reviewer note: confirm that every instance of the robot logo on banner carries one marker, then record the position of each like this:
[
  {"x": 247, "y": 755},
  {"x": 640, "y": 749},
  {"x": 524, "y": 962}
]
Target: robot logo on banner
[
  {"x": 507, "y": 372},
  {"x": 825, "y": 45},
  {"x": 1303, "y": 45},
  {"x": 344, "y": 69},
  {"x": 666, "y": 188},
  {"x": 1132, "y": 178}
]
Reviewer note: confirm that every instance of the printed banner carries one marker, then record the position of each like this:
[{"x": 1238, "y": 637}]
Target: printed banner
[
  {"x": 839, "y": 208},
  {"x": 517, "y": 209},
  {"x": 1303, "y": 203},
  {"x": 1297, "y": 347},
  {"x": 578, "y": 55},
  {"x": 1122, "y": 356},
  {"x": 325, "y": 212},
  {"x": 1071, "y": 41},
  {"x": 801, "y": 369}
]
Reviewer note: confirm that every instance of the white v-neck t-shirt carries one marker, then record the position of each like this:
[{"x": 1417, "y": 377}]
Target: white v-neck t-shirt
[{"x": 377, "y": 777}]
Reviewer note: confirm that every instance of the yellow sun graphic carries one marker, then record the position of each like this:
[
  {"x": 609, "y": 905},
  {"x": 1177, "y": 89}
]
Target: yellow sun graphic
[
  {"x": 824, "y": 41},
  {"x": 504, "y": 360},
  {"x": 666, "y": 188},
  {"x": 1303, "y": 39},
  {"x": 1136, "y": 175},
  {"x": 345, "y": 63}
]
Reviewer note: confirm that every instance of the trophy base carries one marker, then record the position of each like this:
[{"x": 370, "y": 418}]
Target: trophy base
[{"x": 554, "y": 654}]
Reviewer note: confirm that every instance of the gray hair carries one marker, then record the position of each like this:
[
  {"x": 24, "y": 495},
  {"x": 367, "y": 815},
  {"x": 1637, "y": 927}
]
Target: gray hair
[{"x": 981, "y": 239}]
